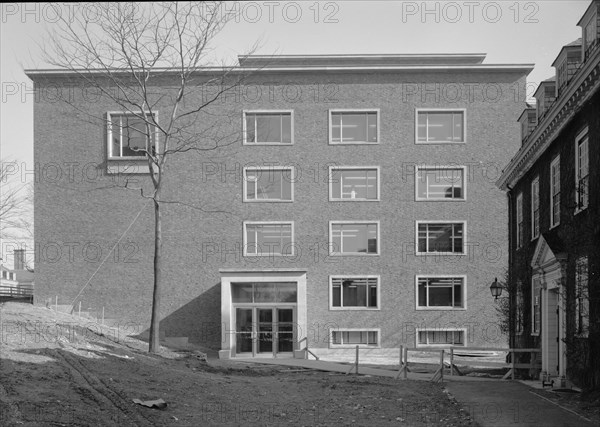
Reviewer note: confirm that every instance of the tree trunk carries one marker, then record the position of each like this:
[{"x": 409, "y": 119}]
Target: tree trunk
[{"x": 154, "y": 342}]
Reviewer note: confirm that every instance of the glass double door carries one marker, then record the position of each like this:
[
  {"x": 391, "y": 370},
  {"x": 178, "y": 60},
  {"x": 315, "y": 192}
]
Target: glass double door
[{"x": 266, "y": 331}]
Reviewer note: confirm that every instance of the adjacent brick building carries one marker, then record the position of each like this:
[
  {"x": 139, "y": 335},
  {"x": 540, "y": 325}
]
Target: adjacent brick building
[
  {"x": 553, "y": 186},
  {"x": 353, "y": 203}
]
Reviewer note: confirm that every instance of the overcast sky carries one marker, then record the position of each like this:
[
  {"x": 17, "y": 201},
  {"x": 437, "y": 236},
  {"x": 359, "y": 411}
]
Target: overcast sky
[{"x": 508, "y": 31}]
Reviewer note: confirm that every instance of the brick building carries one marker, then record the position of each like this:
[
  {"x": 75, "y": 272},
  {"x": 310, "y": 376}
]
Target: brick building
[
  {"x": 355, "y": 205},
  {"x": 553, "y": 192}
]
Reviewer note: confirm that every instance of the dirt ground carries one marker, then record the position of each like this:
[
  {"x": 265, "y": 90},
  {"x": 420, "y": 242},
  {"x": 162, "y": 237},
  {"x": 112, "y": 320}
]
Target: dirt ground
[{"x": 57, "y": 369}]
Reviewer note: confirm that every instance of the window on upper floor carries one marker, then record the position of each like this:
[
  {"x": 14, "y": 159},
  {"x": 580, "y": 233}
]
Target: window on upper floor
[
  {"x": 130, "y": 135},
  {"x": 354, "y": 126},
  {"x": 268, "y": 184},
  {"x": 268, "y": 127},
  {"x": 441, "y": 292},
  {"x": 590, "y": 35},
  {"x": 519, "y": 215},
  {"x": 353, "y": 183},
  {"x": 535, "y": 208},
  {"x": 582, "y": 169},
  {"x": 354, "y": 292},
  {"x": 441, "y": 237},
  {"x": 354, "y": 237},
  {"x": 440, "y": 126},
  {"x": 273, "y": 238},
  {"x": 582, "y": 299},
  {"x": 440, "y": 183},
  {"x": 555, "y": 192}
]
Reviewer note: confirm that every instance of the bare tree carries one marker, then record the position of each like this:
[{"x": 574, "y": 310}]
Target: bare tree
[
  {"x": 121, "y": 54},
  {"x": 16, "y": 204}
]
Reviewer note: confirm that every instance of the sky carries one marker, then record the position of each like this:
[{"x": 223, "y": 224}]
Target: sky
[{"x": 508, "y": 31}]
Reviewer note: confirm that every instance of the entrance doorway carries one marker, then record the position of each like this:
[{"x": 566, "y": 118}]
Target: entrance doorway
[{"x": 265, "y": 331}]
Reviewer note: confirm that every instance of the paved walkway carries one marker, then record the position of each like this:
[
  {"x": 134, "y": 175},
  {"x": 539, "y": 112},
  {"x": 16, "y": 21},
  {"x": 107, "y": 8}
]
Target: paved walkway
[{"x": 497, "y": 403}]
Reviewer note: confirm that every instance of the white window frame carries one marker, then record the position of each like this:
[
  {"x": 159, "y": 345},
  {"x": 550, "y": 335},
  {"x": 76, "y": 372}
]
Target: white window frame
[
  {"x": 268, "y": 169},
  {"x": 109, "y": 117},
  {"x": 331, "y": 246},
  {"x": 520, "y": 236},
  {"x": 376, "y": 330},
  {"x": 440, "y": 110},
  {"x": 444, "y": 167},
  {"x": 293, "y": 238},
  {"x": 343, "y": 168},
  {"x": 354, "y": 276},
  {"x": 354, "y": 110},
  {"x": 418, "y": 330},
  {"x": 583, "y": 135},
  {"x": 267, "y": 112},
  {"x": 555, "y": 161},
  {"x": 535, "y": 208},
  {"x": 440, "y": 308},
  {"x": 464, "y": 237}
]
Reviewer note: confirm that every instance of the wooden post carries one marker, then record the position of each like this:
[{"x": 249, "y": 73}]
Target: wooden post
[
  {"x": 442, "y": 365},
  {"x": 102, "y": 316},
  {"x": 405, "y": 362},
  {"x": 356, "y": 362},
  {"x": 451, "y": 361},
  {"x": 512, "y": 365},
  {"x": 56, "y": 304},
  {"x": 401, "y": 349},
  {"x": 79, "y": 309}
]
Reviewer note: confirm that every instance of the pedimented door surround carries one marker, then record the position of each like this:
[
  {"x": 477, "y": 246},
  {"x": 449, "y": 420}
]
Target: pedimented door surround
[{"x": 550, "y": 269}]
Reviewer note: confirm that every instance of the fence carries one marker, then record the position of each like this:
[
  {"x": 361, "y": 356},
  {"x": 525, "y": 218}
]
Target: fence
[{"x": 18, "y": 292}]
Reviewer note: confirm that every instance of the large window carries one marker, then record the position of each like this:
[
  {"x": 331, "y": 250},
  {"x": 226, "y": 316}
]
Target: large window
[
  {"x": 440, "y": 126},
  {"x": 353, "y": 337},
  {"x": 441, "y": 293},
  {"x": 519, "y": 220},
  {"x": 440, "y": 183},
  {"x": 354, "y": 238},
  {"x": 582, "y": 169},
  {"x": 440, "y": 237},
  {"x": 582, "y": 299},
  {"x": 130, "y": 135},
  {"x": 354, "y": 292},
  {"x": 535, "y": 208},
  {"x": 268, "y": 184},
  {"x": 268, "y": 238},
  {"x": 555, "y": 192},
  {"x": 261, "y": 292},
  {"x": 353, "y": 126},
  {"x": 441, "y": 337},
  {"x": 354, "y": 183},
  {"x": 268, "y": 127}
]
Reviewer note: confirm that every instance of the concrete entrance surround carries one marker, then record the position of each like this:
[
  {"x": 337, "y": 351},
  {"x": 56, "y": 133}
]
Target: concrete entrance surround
[
  {"x": 229, "y": 276},
  {"x": 549, "y": 270}
]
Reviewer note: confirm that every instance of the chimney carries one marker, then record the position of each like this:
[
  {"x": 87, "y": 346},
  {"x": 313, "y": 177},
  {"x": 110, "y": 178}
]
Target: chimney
[{"x": 19, "y": 262}]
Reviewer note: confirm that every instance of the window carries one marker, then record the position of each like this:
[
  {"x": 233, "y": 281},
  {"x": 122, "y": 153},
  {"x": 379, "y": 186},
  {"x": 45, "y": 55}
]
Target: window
[
  {"x": 354, "y": 292},
  {"x": 519, "y": 326},
  {"x": 582, "y": 300},
  {"x": 519, "y": 220},
  {"x": 440, "y": 237},
  {"x": 354, "y": 238},
  {"x": 440, "y": 183},
  {"x": 129, "y": 135},
  {"x": 268, "y": 184},
  {"x": 427, "y": 337},
  {"x": 268, "y": 238},
  {"x": 440, "y": 126},
  {"x": 268, "y": 127},
  {"x": 260, "y": 292},
  {"x": 353, "y": 337},
  {"x": 555, "y": 192},
  {"x": 590, "y": 35},
  {"x": 582, "y": 171},
  {"x": 354, "y": 183},
  {"x": 440, "y": 293},
  {"x": 536, "y": 306},
  {"x": 353, "y": 126},
  {"x": 535, "y": 208}
]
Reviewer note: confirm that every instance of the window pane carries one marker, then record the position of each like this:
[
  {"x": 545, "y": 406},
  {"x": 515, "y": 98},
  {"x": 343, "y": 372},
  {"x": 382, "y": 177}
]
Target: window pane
[
  {"x": 355, "y": 238},
  {"x": 358, "y": 184},
  {"x": 440, "y": 127},
  {"x": 458, "y": 298},
  {"x": 286, "y": 128},
  {"x": 241, "y": 292},
  {"x": 336, "y": 337},
  {"x": 372, "y": 295},
  {"x": 287, "y": 292},
  {"x": 422, "y": 127},
  {"x": 337, "y": 296},
  {"x": 270, "y": 239},
  {"x": 354, "y": 127},
  {"x": 268, "y": 128},
  {"x": 422, "y": 294},
  {"x": 336, "y": 120},
  {"x": 336, "y": 184},
  {"x": 440, "y": 296},
  {"x": 134, "y": 136},
  {"x": 436, "y": 126},
  {"x": 250, "y": 128}
]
